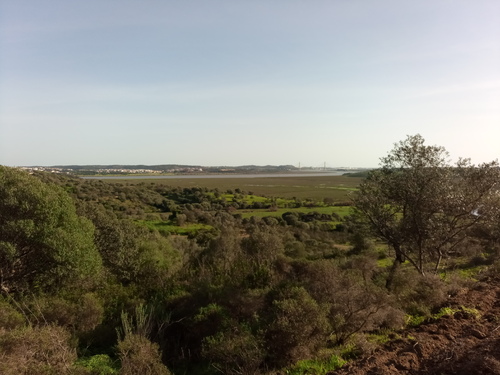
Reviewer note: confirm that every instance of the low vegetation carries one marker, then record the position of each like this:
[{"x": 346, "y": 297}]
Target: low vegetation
[{"x": 146, "y": 278}]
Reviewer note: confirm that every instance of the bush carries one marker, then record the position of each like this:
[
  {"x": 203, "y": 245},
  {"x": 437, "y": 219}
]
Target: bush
[
  {"x": 10, "y": 318},
  {"x": 418, "y": 294},
  {"x": 138, "y": 355},
  {"x": 81, "y": 316},
  {"x": 235, "y": 351},
  {"x": 290, "y": 335},
  {"x": 38, "y": 350},
  {"x": 354, "y": 304},
  {"x": 99, "y": 364}
]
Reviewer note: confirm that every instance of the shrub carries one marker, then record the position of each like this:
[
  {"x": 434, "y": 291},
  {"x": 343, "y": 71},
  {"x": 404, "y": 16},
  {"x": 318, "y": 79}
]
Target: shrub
[
  {"x": 38, "y": 350},
  {"x": 418, "y": 294},
  {"x": 10, "y": 318},
  {"x": 81, "y": 316},
  {"x": 297, "y": 326},
  {"x": 138, "y": 355},
  {"x": 354, "y": 304},
  {"x": 234, "y": 351},
  {"x": 100, "y": 364}
]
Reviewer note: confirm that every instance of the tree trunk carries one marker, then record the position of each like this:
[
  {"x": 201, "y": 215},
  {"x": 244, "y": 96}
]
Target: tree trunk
[{"x": 399, "y": 258}]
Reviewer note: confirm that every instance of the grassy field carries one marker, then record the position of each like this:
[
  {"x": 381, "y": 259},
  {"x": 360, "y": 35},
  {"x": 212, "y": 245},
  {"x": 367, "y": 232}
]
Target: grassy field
[
  {"x": 315, "y": 188},
  {"x": 166, "y": 227},
  {"x": 339, "y": 210}
]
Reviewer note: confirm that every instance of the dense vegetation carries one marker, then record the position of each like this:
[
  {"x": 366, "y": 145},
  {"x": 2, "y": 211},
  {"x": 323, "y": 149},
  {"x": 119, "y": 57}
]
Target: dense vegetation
[{"x": 121, "y": 278}]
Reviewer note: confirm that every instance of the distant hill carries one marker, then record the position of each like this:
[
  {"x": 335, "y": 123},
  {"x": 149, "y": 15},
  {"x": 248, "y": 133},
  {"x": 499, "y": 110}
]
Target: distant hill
[{"x": 164, "y": 168}]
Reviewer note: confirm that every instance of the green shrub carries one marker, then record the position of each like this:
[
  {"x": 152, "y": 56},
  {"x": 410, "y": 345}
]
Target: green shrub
[
  {"x": 234, "y": 351},
  {"x": 290, "y": 335},
  {"x": 10, "y": 318},
  {"x": 81, "y": 315},
  {"x": 44, "y": 244},
  {"x": 100, "y": 364}
]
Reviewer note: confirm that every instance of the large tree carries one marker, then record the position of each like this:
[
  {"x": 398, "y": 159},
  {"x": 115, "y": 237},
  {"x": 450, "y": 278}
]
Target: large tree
[
  {"x": 424, "y": 207},
  {"x": 43, "y": 242}
]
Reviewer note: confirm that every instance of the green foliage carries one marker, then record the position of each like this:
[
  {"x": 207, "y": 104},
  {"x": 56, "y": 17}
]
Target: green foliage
[
  {"x": 211, "y": 310},
  {"x": 167, "y": 227},
  {"x": 43, "y": 243},
  {"x": 289, "y": 336},
  {"x": 471, "y": 311},
  {"x": 316, "y": 367},
  {"x": 313, "y": 187},
  {"x": 10, "y": 318},
  {"x": 445, "y": 311},
  {"x": 226, "y": 291},
  {"x": 382, "y": 336},
  {"x": 130, "y": 252},
  {"x": 341, "y": 211},
  {"x": 100, "y": 364},
  {"x": 416, "y": 320},
  {"x": 423, "y": 207},
  {"x": 79, "y": 314},
  {"x": 234, "y": 351},
  {"x": 140, "y": 324}
]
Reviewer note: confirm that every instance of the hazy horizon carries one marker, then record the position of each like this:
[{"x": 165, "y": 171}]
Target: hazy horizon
[
  {"x": 227, "y": 83},
  {"x": 198, "y": 165}
]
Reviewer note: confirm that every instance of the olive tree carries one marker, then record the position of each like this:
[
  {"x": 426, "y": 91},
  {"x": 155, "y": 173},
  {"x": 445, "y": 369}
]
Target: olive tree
[
  {"x": 424, "y": 207},
  {"x": 43, "y": 242}
]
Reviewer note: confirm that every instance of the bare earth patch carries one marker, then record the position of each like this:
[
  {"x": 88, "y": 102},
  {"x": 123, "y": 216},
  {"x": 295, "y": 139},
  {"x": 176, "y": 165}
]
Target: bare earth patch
[{"x": 465, "y": 343}]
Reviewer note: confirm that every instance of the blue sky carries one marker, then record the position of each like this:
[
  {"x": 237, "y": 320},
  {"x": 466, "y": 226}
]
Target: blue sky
[{"x": 224, "y": 82}]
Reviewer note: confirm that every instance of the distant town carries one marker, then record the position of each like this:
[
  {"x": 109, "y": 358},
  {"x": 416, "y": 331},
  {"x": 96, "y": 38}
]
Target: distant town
[{"x": 169, "y": 169}]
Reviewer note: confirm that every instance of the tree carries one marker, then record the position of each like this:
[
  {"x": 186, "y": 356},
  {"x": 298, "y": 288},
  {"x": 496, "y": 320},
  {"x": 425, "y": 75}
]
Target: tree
[
  {"x": 43, "y": 242},
  {"x": 422, "y": 206},
  {"x": 133, "y": 254}
]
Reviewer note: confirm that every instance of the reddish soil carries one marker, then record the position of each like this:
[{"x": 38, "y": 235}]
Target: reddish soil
[{"x": 462, "y": 344}]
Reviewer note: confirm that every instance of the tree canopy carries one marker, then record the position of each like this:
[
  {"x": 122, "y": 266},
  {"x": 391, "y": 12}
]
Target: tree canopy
[
  {"x": 424, "y": 207},
  {"x": 43, "y": 242}
]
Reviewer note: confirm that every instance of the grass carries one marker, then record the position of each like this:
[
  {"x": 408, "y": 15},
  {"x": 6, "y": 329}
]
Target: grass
[
  {"x": 416, "y": 320},
  {"x": 385, "y": 262},
  {"x": 317, "y": 367},
  {"x": 316, "y": 188},
  {"x": 167, "y": 227},
  {"x": 444, "y": 311},
  {"x": 472, "y": 272},
  {"x": 250, "y": 198},
  {"x": 339, "y": 210},
  {"x": 471, "y": 311},
  {"x": 382, "y": 337}
]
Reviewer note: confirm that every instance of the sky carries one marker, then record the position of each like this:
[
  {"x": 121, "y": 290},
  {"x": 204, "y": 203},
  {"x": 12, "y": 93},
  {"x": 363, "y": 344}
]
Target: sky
[{"x": 227, "y": 83}]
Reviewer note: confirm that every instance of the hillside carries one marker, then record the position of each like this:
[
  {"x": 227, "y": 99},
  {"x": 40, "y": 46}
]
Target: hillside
[{"x": 464, "y": 342}]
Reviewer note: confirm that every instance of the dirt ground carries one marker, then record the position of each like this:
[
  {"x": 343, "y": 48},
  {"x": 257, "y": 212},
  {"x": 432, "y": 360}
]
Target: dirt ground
[{"x": 465, "y": 343}]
